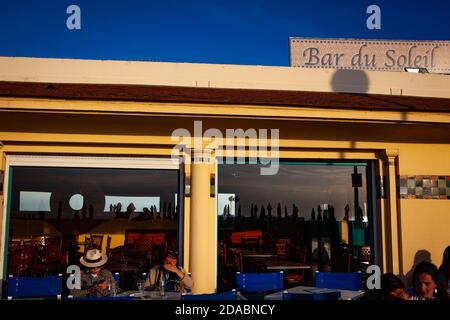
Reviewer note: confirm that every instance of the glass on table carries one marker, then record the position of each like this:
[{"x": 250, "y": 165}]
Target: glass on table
[{"x": 140, "y": 285}]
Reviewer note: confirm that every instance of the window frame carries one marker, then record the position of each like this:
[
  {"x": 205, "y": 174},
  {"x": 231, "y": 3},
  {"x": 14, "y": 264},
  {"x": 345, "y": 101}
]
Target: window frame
[{"x": 67, "y": 161}]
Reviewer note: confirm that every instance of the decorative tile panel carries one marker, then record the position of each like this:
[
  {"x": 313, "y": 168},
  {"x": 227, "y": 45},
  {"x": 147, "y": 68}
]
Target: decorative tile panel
[{"x": 424, "y": 187}]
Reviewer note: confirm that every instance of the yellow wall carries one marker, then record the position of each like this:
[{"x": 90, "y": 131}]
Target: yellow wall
[
  {"x": 102, "y": 135},
  {"x": 71, "y": 127},
  {"x": 425, "y": 224}
]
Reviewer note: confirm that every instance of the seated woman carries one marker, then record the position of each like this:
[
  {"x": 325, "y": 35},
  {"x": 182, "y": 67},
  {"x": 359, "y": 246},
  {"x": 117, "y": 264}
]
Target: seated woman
[
  {"x": 175, "y": 277},
  {"x": 392, "y": 288},
  {"x": 95, "y": 281},
  {"x": 426, "y": 283}
]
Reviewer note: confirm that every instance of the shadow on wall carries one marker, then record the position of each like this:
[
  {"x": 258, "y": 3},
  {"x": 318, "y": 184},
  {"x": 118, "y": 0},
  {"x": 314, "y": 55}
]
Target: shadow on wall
[
  {"x": 352, "y": 81},
  {"x": 421, "y": 255},
  {"x": 355, "y": 81}
]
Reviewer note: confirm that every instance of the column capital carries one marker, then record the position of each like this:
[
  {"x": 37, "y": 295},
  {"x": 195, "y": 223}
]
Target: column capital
[
  {"x": 203, "y": 155},
  {"x": 391, "y": 153}
]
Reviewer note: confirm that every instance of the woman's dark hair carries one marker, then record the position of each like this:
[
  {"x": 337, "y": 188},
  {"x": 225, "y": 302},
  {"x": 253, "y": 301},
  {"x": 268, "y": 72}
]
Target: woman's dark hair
[
  {"x": 390, "y": 282},
  {"x": 445, "y": 266},
  {"x": 431, "y": 269}
]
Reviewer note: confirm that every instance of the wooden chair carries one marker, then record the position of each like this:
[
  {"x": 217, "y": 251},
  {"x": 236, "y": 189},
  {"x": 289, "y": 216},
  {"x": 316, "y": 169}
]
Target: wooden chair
[
  {"x": 283, "y": 247},
  {"x": 145, "y": 245},
  {"x": 223, "y": 254},
  {"x": 15, "y": 243},
  {"x": 251, "y": 244},
  {"x": 38, "y": 241},
  {"x": 239, "y": 260},
  {"x": 97, "y": 241},
  {"x": 297, "y": 277},
  {"x": 301, "y": 253},
  {"x": 343, "y": 260},
  {"x": 108, "y": 246},
  {"x": 39, "y": 263},
  {"x": 20, "y": 259},
  {"x": 87, "y": 244},
  {"x": 27, "y": 242},
  {"x": 54, "y": 254}
]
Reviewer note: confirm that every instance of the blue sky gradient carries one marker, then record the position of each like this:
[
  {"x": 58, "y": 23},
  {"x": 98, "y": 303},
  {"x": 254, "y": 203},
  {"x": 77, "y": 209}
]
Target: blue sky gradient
[{"x": 253, "y": 32}]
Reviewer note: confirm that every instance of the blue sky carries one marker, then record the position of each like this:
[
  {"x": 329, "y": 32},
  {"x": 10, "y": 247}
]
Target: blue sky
[{"x": 251, "y": 32}]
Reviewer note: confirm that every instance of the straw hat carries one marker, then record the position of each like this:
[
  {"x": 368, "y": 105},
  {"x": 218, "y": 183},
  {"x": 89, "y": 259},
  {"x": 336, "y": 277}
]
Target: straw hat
[{"x": 93, "y": 258}]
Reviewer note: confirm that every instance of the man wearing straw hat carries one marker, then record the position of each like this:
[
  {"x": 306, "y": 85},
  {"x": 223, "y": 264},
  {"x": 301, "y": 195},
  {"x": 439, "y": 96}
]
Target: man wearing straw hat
[{"x": 95, "y": 281}]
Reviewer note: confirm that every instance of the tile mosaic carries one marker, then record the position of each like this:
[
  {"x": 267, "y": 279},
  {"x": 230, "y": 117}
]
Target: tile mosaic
[
  {"x": 435, "y": 192},
  {"x": 419, "y": 191},
  {"x": 424, "y": 187},
  {"x": 403, "y": 183}
]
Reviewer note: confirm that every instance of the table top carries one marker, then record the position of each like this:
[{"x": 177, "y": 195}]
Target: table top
[
  {"x": 345, "y": 294},
  {"x": 151, "y": 295},
  {"x": 154, "y": 295}
]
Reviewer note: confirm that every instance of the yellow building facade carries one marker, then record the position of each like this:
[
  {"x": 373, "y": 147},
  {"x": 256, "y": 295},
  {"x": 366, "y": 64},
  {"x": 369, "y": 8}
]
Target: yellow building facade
[{"x": 82, "y": 109}]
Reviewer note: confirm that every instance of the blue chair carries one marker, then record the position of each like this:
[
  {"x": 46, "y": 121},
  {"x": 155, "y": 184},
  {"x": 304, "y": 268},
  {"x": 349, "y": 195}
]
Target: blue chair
[
  {"x": 259, "y": 282},
  {"x": 344, "y": 281},
  {"x": 229, "y": 295},
  {"x": 34, "y": 287}
]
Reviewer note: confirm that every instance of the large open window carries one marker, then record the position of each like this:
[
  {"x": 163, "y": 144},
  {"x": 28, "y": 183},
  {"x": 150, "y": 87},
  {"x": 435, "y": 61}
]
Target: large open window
[
  {"x": 60, "y": 208},
  {"x": 310, "y": 216}
]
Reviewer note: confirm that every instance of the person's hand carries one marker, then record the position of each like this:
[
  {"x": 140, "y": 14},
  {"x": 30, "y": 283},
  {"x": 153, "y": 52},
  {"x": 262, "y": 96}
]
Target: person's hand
[
  {"x": 174, "y": 269},
  {"x": 101, "y": 286},
  {"x": 170, "y": 267},
  {"x": 405, "y": 296}
]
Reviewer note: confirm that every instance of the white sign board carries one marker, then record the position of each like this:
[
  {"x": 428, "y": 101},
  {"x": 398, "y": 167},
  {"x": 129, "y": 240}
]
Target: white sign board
[{"x": 360, "y": 54}]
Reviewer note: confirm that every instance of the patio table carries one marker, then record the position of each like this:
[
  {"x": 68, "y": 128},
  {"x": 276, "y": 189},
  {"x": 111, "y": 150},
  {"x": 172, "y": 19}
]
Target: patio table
[{"x": 345, "y": 294}]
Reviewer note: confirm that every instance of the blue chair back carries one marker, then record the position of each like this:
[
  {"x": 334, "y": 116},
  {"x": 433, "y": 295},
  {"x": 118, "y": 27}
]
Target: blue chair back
[
  {"x": 344, "y": 281},
  {"x": 257, "y": 282},
  {"x": 34, "y": 287},
  {"x": 229, "y": 295}
]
